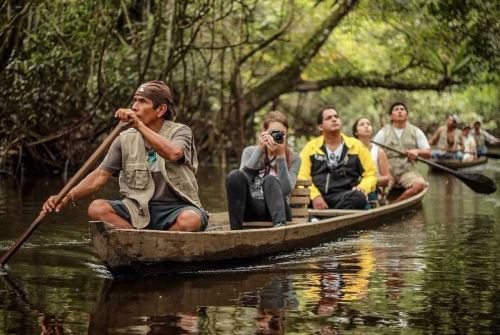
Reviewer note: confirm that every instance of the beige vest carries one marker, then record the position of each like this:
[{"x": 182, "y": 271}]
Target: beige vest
[
  {"x": 480, "y": 139},
  {"x": 400, "y": 164},
  {"x": 443, "y": 139},
  {"x": 136, "y": 182}
]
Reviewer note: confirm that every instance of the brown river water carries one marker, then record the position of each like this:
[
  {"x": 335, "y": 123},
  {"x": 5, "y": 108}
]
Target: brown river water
[{"x": 434, "y": 270}]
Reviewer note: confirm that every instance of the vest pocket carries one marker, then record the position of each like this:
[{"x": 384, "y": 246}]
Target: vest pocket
[
  {"x": 136, "y": 175},
  {"x": 190, "y": 187},
  {"x": 409, "y": 142}
]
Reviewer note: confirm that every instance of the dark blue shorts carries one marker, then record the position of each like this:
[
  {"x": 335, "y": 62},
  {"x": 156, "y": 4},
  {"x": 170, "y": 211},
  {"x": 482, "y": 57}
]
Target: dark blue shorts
[{"x": 163, "y": 215}]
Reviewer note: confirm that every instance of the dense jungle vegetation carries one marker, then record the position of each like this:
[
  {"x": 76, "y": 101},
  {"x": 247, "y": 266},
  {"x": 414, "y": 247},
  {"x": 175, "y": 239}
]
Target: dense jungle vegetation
[{"x": 66, "y": 65}]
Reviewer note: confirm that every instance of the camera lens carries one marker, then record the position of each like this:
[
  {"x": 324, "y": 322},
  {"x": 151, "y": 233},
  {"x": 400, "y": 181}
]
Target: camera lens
[{"x": 277, "y": 136}]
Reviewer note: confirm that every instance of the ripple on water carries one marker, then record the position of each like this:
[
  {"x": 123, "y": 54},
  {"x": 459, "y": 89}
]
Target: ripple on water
[{"x": 100, "y": 270}]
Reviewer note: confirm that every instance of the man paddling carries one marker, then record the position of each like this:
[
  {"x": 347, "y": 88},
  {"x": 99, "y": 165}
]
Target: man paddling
[
  {"x": 481, "y": 136},
  {"x": 156, "y": 161},
  {"x": 404, "y": 136},
  {"x": 340, "y": 167}
]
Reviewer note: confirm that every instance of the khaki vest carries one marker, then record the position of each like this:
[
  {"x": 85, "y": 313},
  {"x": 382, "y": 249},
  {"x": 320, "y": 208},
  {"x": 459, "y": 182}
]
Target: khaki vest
[
  {"x": 136, "y": 182},
  {"x": 479, "y": 138},
  {"x": 443, "y": 139},
  {"x": 400, "y": 164}
]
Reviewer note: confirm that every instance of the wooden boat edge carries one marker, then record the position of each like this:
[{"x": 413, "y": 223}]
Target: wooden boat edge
[
  {"x": 240, "y": 244},
  {"x": 401, "y": 204}
]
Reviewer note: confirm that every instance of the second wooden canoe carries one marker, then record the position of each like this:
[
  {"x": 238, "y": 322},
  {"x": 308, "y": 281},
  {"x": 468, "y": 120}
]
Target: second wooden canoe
[{"x": 456, "y": 164}]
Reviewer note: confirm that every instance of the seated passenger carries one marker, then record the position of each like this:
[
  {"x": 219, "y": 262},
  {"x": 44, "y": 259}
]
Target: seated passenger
[
  {"x": 404, "y": 136},
  {"x": 482, "y": 136},
  {"x": 362, "y": 129},
  {"x": 448, "y": 139},
  {"x": 260, "y": 189},
  {"x": 340, "y": 167},
  {"x": 470, "y": 150}
]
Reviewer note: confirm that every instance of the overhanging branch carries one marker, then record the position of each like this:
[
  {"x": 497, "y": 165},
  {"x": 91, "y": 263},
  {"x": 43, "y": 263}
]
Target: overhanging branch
[
  {"x": 285, "y": 80},
  {"x": 353, "y": 81}
]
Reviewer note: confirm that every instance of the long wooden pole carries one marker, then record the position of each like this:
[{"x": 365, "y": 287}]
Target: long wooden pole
[{"x": 100, "y": 151}]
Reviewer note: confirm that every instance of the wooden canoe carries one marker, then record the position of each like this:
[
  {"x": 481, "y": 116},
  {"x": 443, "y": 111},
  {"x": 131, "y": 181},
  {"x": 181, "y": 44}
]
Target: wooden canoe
[
  {"x": 134, "y": 250},
  {"x": 456, "y": 164},
  {"x": 493, "y": 151}
]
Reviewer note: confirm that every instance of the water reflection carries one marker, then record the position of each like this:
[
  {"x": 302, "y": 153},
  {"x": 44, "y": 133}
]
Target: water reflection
[
  {"x": 174, "y": 305},
  {"x": 461, "y": 281},
  {"x": 48, "y": 324},
  {"x": 326, "y": 293}
]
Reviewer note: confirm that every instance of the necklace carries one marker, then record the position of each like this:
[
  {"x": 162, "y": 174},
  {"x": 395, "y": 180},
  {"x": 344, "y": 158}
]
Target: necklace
[{"x": 151, "y": 156}]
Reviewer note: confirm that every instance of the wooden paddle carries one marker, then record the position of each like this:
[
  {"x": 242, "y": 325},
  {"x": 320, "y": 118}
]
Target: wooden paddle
[
  {"x": 477, "y": 182},
  {"x": 100, "y": 151}
]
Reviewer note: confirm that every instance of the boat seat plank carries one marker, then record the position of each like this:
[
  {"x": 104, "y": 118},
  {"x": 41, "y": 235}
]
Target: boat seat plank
[
  {"x": 334, "y": 212},
  {"x": 299, "y": 200},
  {"x": 299, "y": 212},
  {"x": 300, "y": 191},
  {"x": 303, "y": 182},
  {"x": 265, "y": 224}
]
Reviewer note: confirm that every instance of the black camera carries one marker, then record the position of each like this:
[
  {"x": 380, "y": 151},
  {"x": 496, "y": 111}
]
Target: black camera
[{"x": 277, "y": 136}]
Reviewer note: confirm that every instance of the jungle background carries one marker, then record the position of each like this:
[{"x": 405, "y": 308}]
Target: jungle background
[{"x": 66, "y": 66}]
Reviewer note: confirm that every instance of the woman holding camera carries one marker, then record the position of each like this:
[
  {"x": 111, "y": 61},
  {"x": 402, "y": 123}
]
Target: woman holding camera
[{"x": 260, "y": 189}]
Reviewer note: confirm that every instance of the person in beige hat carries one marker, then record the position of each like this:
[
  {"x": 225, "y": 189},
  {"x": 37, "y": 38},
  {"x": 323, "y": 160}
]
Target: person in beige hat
[{"x": 156, "y": 162}]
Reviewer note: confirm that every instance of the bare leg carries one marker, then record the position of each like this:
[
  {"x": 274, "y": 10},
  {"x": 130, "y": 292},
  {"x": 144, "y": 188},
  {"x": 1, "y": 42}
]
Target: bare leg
[
  {"x": 188, "y": 220},
  {"x": 416, "y": 188},
  {"x": 101, "y": 210}
]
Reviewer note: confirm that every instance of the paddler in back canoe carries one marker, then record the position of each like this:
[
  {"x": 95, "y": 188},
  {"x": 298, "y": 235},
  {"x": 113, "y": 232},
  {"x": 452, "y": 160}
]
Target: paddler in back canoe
[{"x": 448, "y": 139}]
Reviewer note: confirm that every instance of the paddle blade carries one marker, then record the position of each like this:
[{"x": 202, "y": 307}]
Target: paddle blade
[{"x": 477, "y": 182}]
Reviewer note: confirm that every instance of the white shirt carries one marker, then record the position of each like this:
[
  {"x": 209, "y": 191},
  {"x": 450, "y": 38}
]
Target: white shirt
[
  {"x": 334, "y": 156},
  {"x": 469, "y": 145}
]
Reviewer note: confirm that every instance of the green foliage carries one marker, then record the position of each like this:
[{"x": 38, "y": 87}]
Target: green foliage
[{"x": 65, "y": 66}]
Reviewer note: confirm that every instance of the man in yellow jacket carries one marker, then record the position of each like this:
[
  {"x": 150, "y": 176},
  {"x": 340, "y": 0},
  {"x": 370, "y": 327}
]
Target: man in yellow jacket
[{"x": 340, "y": 167}]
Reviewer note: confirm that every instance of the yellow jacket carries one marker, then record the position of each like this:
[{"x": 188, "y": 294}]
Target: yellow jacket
[{"x": 359, "y": 168}]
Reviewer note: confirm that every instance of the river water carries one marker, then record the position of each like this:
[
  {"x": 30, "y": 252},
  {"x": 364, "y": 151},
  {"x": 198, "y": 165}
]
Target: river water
[{"x": 434, "y": 270}]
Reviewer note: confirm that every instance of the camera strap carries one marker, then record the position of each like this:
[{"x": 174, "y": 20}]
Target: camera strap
[{"x": 268, "y": 163}]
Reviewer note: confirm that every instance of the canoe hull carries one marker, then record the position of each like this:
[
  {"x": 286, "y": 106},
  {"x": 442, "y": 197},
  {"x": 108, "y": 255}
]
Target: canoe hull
[{"x": 131, "y": 249}]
